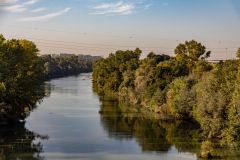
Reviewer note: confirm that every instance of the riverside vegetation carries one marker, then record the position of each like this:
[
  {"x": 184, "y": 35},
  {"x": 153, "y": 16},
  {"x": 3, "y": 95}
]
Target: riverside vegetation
[
  {"x": 185, "y": 87},
  {"x": 21, "y": 79},
  {"x": 154, "y": 135},
  {"x": 181, "y": 88},
  {"x": 56, "y": 67},
  {"x": 22, "y": 76}
]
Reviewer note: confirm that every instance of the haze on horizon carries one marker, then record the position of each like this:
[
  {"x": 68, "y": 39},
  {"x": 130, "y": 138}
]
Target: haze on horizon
[{"x": 99, "y": 27}]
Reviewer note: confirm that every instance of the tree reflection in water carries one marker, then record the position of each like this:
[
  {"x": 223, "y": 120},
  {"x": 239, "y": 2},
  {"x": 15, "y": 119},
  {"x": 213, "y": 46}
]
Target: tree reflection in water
[
  {"x": 18, "y": 143},
  {"x": 122, "y": 122},
  {"x": 151, "y": 134}
]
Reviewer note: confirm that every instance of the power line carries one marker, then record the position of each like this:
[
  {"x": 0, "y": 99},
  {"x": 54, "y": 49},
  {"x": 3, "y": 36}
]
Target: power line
[
  {"x": 85, "y": 48},
  {"x": 131, "y": 36},
  {"x": 94, "y": 47},
  {"x": 103, "y": 49},
  {"x": 88, "y": 45},
  {"x": 83, "y": 43}
]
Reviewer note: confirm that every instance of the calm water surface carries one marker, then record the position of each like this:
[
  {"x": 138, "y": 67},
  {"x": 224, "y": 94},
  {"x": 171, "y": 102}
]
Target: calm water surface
[{"x": 73, "y": 123}]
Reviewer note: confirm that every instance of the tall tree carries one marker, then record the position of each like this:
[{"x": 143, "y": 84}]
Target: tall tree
[
  {"x": 238, "y": 53},
  {"x": 21, "y": 73},
  {"x": 109, "y": 73},
  {"x": 192, "y": 50}
]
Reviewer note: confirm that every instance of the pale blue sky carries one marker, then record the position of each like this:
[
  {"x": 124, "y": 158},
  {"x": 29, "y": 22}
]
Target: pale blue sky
[{"x": 102, "y": 26}]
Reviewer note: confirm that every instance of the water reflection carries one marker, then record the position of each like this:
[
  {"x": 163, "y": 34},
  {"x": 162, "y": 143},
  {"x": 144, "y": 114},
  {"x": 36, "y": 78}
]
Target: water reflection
[
  {"x": 17, "y": 107},
  {"x": 151, "y": 134},
  {"x": 75, "y": 129},
  {"x": 18, "y": 143},
  {"x": 122, "y": 121}
]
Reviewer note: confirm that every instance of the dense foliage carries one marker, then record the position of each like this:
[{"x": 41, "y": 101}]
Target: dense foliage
[
  {"x": 117, "y": 69},
  {"x": 59, "y": 66},
  {"x": 184, "y": 87},
  {"x": 22, "y": 75},
  {"x": 21, "y": 78}
]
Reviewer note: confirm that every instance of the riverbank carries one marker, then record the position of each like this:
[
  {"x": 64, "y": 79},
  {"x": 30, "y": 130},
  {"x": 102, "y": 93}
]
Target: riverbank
[
  {"x": 23, "y": 72},
  {"x": 58, "y": 66},
  {"x": 184, "y": 87},
  {"x": 155, "y": 134}
]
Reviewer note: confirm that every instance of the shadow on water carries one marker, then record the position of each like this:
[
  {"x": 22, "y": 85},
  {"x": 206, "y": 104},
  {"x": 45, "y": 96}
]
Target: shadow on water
[
  {"x": 122, "y": 122},
  {"x": 18, "y": 143},
  {"x": 151, "y": 134},
  {"x": 17, "y": 107}
]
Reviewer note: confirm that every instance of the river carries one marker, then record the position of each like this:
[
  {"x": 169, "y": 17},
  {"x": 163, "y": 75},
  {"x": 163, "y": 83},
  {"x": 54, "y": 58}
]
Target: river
[{"x": 73, "y": 123}]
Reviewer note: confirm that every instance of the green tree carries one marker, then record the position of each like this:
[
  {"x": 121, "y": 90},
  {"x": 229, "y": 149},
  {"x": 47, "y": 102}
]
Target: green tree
[
  {"x": 210, "y": 108},
  {"x": 232, "y": 133},
  {"x": 145, "y": 74},
  {"x": 192, "y": 50},
  {"x": 21, "y": 75},
  {"x": 201, "y": 67},
  {"x": 213, "y": 95},
  {"x": 238, "y": 53},
  {"x": 111, "y": 72},
  {"x": 59, "y": 66},
  {"x": 181, "y": 97}
]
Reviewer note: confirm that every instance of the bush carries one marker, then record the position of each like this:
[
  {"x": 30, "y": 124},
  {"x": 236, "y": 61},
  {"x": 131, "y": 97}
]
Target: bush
[{"x": 181, "y": 97}]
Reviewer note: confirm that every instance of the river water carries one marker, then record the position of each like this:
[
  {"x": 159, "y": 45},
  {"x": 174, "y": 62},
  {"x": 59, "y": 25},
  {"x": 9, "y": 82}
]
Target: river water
[{"x": 75, "y": 123}]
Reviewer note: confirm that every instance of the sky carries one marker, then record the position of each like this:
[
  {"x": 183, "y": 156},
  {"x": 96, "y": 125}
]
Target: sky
[{"x": 99, "y": 27}]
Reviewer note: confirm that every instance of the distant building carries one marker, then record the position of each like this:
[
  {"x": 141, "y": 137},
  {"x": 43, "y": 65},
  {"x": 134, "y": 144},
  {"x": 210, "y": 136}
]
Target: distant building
[
  {"x": 215, "y": 61},
  {"x": 66, "y": 55},
  {"x": 82, "y": 57},
  {"x": 97, "y": 57},
  {"x": 55, "y": 55}
]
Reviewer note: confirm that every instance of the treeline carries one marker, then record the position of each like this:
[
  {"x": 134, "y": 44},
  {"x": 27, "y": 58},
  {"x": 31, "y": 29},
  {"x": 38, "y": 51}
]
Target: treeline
[
  {"x": 22, "y": 76},
  {"x": 61, "y": 66},
  {"x": 21, "y": 79},
  {"x": 183, "y": 87}
]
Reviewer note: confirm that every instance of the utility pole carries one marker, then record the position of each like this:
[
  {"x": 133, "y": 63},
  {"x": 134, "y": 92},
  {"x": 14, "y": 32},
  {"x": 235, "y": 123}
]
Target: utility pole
[{"x": 226, "y": 53}]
